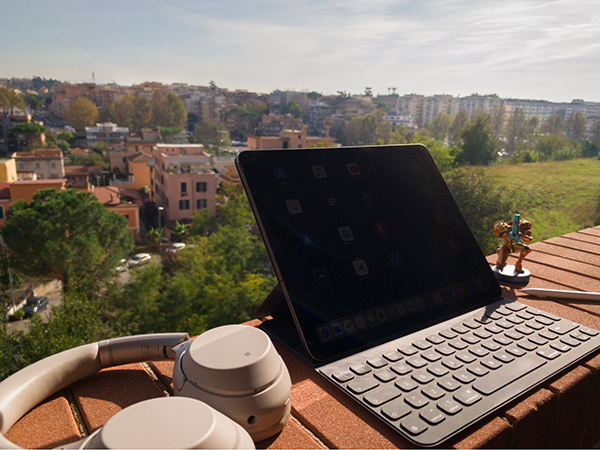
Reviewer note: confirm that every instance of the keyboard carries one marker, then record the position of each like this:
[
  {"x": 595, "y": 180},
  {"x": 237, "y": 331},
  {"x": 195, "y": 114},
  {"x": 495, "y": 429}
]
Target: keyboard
[{"x": 432, "y": 384}]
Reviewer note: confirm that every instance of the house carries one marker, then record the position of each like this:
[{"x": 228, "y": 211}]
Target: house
[
  {"x": 8, "y": 169},
  {"x": 136, "y": 165},
  {"x": 47, "y": 164},
  {"x": 288, "y": 139},
  {"x": 126, "y": 202},
  {"x": 230, "y": 175},
  {"x": 183, "y": 181},
  {"x": 81, "y": 177},
  {"x": 24, "y": 190}
]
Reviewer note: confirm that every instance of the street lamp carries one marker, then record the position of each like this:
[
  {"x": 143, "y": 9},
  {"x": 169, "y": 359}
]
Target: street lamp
[{"x": 160, "y": 210}]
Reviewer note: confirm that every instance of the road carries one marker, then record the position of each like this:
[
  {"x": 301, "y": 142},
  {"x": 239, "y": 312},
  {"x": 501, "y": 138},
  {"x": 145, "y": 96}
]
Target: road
[{"x": 23, "y": 325}]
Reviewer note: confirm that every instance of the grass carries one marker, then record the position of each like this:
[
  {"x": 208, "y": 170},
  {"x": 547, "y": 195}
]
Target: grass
[{"x": 557, "y": 197}]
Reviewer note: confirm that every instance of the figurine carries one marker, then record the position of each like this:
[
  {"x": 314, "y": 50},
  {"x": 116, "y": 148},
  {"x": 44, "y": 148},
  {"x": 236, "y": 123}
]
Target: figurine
[{"x": 515, "y": 235}]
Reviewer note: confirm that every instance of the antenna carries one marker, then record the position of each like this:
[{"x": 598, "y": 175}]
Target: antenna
[{"x": 93, "y": 78}]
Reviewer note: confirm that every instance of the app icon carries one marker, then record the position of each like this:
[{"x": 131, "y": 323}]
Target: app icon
[
  {"x": 353, "y": 169},
  {"x": 321, "y": 276},
  {"x": 281, "y": 174},
  {"x": 348, "y": 325},
  {"x": 401, "y": 309},
  {"x": 346, "y": 234},
  {"x": 371, "y": 318},
  {"x": 461, "y": 290},
  {"x": 293, "y": 206},
  {"x": 360, "y": 321},
  {"x": 307, "y": 240},
  {"x": 337, "y": 328},
  {"x": 319, "y": 171},
  {"x": 395, "y": 259},
  {"x": 419, "y": 303},
  {"x": 437, "y": 297},
  {"x": 325, "y": 333},
  {"x": 331, "y": 201},
  {"x": 360, "y": 267},
  {"x": 381, "y": 315},
  {"x": 381, "y": 228},
  {"x": 366, "y": 198},
  {"x": 410, "y": 306},
  {"x": 391, "y": 312}
]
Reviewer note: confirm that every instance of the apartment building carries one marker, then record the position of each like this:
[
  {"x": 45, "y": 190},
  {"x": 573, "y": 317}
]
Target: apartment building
[
  {"x": 272, "y": 124},
  {"x": 288, "y": 139},
  {"x": 183, "y": 181},
  {"x": 46, "y": 164},
  {"x": 107, "y": 132},
  {"x": 278, "y": 100},
  {"x": 8, "y": 170},
  {"x": 9, "y": 119},
  {"x": 24, "y": 190}
]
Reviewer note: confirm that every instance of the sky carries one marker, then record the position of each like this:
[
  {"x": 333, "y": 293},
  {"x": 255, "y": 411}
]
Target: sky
[{"x": 527, "y": 49}]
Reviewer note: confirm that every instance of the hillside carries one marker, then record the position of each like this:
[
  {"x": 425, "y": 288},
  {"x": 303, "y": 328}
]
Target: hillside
[{"x": 558, "y": 197}]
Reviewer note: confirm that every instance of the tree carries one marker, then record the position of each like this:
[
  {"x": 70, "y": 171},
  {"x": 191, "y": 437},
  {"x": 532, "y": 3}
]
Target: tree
[
  {"x": 554, "y": 124},
  {"x": 66, "y": 234},
  {"x": 367, "y": 130},
  {"x": 81, "y": 112},
  {"x": 213, "y": 135},
  {"x": 167, "y": 110},
  {"x": 515, "y": 130},
  {"x": 498, "y": 113},
  {"x": 479, "y": 147},
  {"x": 141, "y": 114},
  {"x": 576, "y": 126},
  {"x": 443, "y": 156},
  {"x": 33, "y": 101},
  {"x": 31, "y": 130},
  {"x": 596, "y": 131},
  {"x": 121, "y": 111},
  {"x": 439, "y": 126},
  {"x": 458, "y": 125},
  {"x": 555, "y": 147},
  {"x": 293, "y": 108},
  {"x": 10, "y": 99}
]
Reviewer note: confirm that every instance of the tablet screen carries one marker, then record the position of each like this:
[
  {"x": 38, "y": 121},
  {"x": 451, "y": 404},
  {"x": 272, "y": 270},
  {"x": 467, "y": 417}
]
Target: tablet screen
[{"x": 367, "y": 242}]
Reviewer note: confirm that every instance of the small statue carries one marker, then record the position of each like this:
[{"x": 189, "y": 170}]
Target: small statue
[{"x": 515, "y": 235}]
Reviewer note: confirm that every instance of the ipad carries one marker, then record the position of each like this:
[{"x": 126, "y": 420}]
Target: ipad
[{"x": 367, "y": 243}]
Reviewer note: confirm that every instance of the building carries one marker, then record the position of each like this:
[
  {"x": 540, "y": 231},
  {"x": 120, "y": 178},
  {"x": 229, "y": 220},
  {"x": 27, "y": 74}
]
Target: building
[
  {"x": 24, "y": 190},
  {"x": 45, "y": 163},
  {"x": 288, "y": 139},
  {"x": 83, "y": 177},
  {"x": 106, "y": 132},
  {"x": 278, "y": 100},
  {"x": 8, "y": 169},
  {"x": 126, "y": 202},
  {"x": 396, "y": 120},
  {"x": 9, "y": 119},
  {"x": 135, "y": 166},
  {"x": 183, "y": 181},
  {"x": 272, "y": 124}
]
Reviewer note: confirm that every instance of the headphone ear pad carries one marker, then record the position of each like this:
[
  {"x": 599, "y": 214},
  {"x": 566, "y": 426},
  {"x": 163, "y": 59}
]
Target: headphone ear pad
[{"x": 170, "y": 422}]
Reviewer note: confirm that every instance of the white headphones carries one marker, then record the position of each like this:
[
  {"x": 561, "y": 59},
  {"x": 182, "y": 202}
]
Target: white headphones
[{"x": 234, "y": 368}]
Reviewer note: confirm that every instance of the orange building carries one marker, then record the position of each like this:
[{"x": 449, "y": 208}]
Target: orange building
[
  {"x": 126, "y": 202},
  {"x": 288, "y": 139},
  {"x": 24, "y": 190}
]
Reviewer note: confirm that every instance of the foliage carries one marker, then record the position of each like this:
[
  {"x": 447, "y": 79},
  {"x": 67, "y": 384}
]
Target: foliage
[
  {"x": 180, "y": 232},
  {"x": 554, "y": 124},
  {"x": 553, "y": 147},
  {"x": 66, "y": 234},
  {"x": 91, "y": 159},
  {"x": 439, "y": 126},
  {"x": 33, "y": 101},
  {"x": 575, "y": 126},
  {"x": 443, "y": 156},
  {"x": 9, "y": 98},
  {"x": 479, "y": 146},
  {"x": 590, "y": 149},
  {"x": 167, "y": 110},
  {"x": 213, "y": 135},
  {"x": 293, "y": 108},
  {"x": 132, "y": 111},
  {"x": 66, "y": 136},
  {"x": 367, "y": 130},
  {"x": 481, "y": 202},
  {"x": 461, "y": 119},
  {"x": 170, "y": 131},
  {"x": 31, "y": 130},
  {"x": 81, "y": 112}
]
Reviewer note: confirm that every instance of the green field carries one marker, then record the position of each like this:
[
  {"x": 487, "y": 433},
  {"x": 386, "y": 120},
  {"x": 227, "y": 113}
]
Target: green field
[{"x": 557, "y": 197}]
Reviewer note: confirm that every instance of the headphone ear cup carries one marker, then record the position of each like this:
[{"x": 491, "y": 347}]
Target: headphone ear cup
[{"x": 170, "y": 422}]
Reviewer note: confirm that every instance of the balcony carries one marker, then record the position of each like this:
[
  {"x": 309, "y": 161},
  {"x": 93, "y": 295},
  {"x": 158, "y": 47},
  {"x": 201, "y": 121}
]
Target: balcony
[
  {"x": 563, "y": 412},
  {"x": 128, "y": 182}
]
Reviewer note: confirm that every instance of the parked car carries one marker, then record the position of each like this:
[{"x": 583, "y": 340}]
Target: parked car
[
  {"x": 176, "y": 247},
  {"x": 35, "y": 304},
  {"x": 139, "y": 259},
  {"x": 122, "y": 267}
]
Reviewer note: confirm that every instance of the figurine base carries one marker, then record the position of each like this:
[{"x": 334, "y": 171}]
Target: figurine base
[{"x": 509, "y": 275}]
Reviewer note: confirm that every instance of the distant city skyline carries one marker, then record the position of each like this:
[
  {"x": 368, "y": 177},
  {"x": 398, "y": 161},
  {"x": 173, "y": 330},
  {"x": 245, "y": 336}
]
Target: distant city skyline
[{"x": 529, "y": 49}]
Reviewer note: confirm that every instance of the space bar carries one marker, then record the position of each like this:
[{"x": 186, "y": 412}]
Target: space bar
[{"x": 508, "y": 373}]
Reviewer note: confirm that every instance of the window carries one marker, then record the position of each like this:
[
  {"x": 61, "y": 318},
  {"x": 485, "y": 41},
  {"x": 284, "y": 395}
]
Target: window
[
  {"x": 124, "y": 160},
  {"x": 1, "y": 212},
  {"x": 200, "y": 186},
  {"x": 37, "y": 165},
  {"x": 184, "y": 188},
  {"x": 201, "y": 203},
  {"x": 162, "y": 179},
  {"x": 184, "y": 204},
  {"x": 53, "y": 165}
]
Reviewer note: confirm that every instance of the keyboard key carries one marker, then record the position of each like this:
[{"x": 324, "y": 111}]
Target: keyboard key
[
  {"x": 563, "y": 348},
  {"x": 536, "y": 326},
  {"x": 526, "y": 345},
  {"x": 438, "y": 370},
  {"x": 449, "y": 384},
  {"x": 525, "y": 315},
  {"x": 445, "y": 350},
  {"x": 467, "y": 396},
  {"x": 407, "y": 350},
  {"x": 512, "y": 334},
  {"x": 460, "y": 329},
  {"x": 401, "y": 368},
  {"x": 385, "y": 375},
  {"x": 470, "y": 339},
  {"x": 524, "y": 329},
  {"x": 491, "y": 345},
  {"x": 343, "y": 376},
  {"x": 494, "y": 315},
  {"x": 511, "y": 372},
  {"x": 504, "y": 324},
  {"x": 478, "y": 351},
  {"x": 448, "y": 334},
  {"x": 503, "y": 340},
  {"x": 548, "y": 353},
  {"x": 570, "y": 341},
  {"x": 548, "y": 335},
  {"x": 463, "y": 376},
  {"x": 588, "y": 331},
  {"x": 432, "y": 415},
  {"x": 537, "y": 340},
  {"x": 360, "y": 369},
  {"x": 431, "y": 356},
  {"x": 478, "y": 369},
  {"x": 383, "y": 395},
  {"x": 504, "y": 357},
  {"x": 416, "y": 400},
  {"x": 458, "y": 344},
  {"x": 362, "y": 385},
  {"x": 449, "y": 406},
  {"x": 422, "y": 377},
  {"x": 491, "y": 363},
  {"x": 515, "y": 351},
  {"x": 516, "y": 307},
  {"x": 494, "y": 329},
  {"x": 539, "y": 312},
  {"x": 466, "y": 357},
  {"x": 413, "y": 426},
  {"x": 580, "y": 336},
  {"x": 422, "y": 344},
  {"x": 392, "y": 356},
  {"x": 473, "y": 325},
  {"x": 562, "y": 327},
  {"x": 435, "y": 339},
  {"x": 452, "y": 363},
  {"x": 515, "y": 319},
  {"x": 504, "y": 311},
  {"x": 396, "y": 410},
  {"x": 544, "y": 320},
  {"x": 483, "y": 334},
  {"x": 406, "y": 384},
  {"x": 483, "y": 320},
  {"x": 377, "y": 362},
  {"x": 433, "y": 392},
  {"x": 416, "y": 362}
]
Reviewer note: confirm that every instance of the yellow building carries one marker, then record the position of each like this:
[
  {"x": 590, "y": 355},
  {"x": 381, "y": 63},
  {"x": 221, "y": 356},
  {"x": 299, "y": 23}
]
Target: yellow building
[{"x": 8, "y": 169}]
